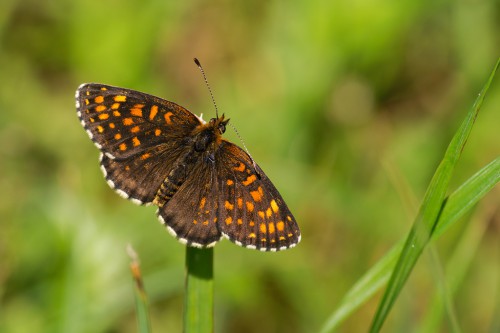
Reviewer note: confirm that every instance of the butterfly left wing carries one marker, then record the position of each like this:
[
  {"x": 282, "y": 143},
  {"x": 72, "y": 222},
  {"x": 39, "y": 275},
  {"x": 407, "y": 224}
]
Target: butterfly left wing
[
  {"x": 140, "y": 136},
  {"x": 252, "y": 212}
]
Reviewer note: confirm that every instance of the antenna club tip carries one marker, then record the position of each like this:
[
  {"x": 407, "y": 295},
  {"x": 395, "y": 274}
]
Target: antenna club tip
[{"x": 197, "y": 62}]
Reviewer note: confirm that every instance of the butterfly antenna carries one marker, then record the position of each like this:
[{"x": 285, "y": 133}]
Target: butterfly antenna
[
  {"x": 197, "y": 62},
  {"x": 244, "y": 146}
]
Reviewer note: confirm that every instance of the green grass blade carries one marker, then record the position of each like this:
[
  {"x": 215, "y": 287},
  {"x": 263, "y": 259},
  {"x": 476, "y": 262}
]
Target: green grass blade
[
  {"x": 456, "y": 269},
  {"x": 198, "y": 302},
  {"x": 429, "y": 212},
  {"x": 463, "y": 199},
  {"x": 468, "y": 194},
  {"x": 141, "y": 299},
  {"x": 458, "y": 203}
]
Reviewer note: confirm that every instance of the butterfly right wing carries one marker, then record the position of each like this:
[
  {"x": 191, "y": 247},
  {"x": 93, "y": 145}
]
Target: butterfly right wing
[
  {"x": 140, "y": 136},
  {"x": 252, "y": 212}
]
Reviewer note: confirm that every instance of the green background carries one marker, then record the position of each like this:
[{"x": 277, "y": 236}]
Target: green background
[{"x": 347, "y": 105}]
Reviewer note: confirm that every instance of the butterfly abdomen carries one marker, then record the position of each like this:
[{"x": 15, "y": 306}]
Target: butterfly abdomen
[{"x": 201, "y": 144}]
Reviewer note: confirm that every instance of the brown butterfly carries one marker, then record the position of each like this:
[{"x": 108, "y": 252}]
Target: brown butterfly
[{"x": 156, "y": 152}]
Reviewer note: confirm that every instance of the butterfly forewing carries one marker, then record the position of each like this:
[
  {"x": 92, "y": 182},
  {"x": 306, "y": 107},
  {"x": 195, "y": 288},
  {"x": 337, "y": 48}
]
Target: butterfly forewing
[{"x": 124, "y": 122}]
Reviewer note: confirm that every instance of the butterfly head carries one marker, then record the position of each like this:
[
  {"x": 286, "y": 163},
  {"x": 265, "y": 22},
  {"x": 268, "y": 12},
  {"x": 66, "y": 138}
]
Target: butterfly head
[{"x": 219, "y": 124}]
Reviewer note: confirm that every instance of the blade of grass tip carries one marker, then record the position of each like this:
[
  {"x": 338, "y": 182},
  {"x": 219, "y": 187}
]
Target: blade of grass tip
[
  {"x": 198, "y": 301},
  {"x": 429, "y": 212},
  {"x": 141, "y": 300},
  {"x": 458, "y": 203}
]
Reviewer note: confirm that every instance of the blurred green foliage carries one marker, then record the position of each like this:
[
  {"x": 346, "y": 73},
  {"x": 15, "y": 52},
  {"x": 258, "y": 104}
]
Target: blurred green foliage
[{"x": 347, "y": 105}]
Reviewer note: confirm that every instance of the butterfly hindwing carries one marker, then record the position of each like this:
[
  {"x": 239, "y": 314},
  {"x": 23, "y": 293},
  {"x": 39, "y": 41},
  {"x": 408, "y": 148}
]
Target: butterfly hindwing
[{"x": 191, "y": 215}]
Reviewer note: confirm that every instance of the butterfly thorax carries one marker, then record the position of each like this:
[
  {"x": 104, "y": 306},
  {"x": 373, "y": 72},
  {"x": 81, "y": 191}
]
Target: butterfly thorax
[
  {"x": 202, "y": 146},
  {"x": 209, "y": 134}
]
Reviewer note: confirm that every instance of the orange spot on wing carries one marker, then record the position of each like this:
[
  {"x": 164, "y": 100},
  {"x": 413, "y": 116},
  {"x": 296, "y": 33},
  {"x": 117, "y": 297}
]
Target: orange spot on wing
[
  {"x": 103, "y": 116},
  {"x": 116, "y": 113},
  {"x": 153, "y": 112},
  {"x": 240, "y": 167},
  {"x": 111, "y": 125},
  {"x": 99, "y": 99},
  {"x": 249, "y": 180},
  {"x": 270, "y": 226},
  {"x": 202, "y": 202},
  {"x": 274, "y": 206},
  {"x": 240, "y": 221},
  {"x": 257, "y": 194},
  {"x": 123, "y": 147},
  {"x": 87, "y": 102},
  {"x": 263, "y": 228},
  {"x": 261, "y": 214},
  {"x": 136, "y": 112},
  {"x": 100, "y": 129},
  {"x": 228, "y": 205},
  {"x": 145, "y": 156},
  {"x": 120, "y": 98},
  {"x": 157, "y": 132},
  {"x": 135, "y": 129},
  {"x": 251, "y": 223},
  {"x": 240, "y": 203},
  {"x": 128, "y": 121},
  {"x": 115, "y": 106},
  {"x": 104, "y": 88},
  {"x": 280, "y": 226},
  {"x": 269, "y": 212},
  {"x": 205, "y": 222},
  {"x": 229, "y": 182},
  {"x": 229, "y": 220},
  {"x": 249, "y": 206},
  {"x": 135, "y": 141},
  {"x": 118, "y": 136},
  {"x": 167, "y": 117},
  {"x": 251, "y": 235}
]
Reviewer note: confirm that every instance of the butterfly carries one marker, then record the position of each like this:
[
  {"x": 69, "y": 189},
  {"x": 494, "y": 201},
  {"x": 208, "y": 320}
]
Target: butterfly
[{"x": 155, "y": 152}]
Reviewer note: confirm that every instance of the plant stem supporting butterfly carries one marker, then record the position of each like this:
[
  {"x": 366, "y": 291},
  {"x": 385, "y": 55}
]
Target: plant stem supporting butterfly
[{"x": 198, "y": 300}]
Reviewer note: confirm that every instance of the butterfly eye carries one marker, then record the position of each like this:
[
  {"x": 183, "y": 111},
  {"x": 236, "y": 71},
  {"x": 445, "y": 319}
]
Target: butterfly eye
[{"x": 222, "y": 128}]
